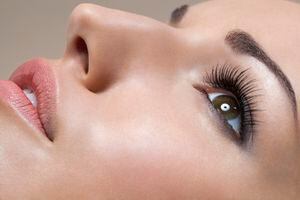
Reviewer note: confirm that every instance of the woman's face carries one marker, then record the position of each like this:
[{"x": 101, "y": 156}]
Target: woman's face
[{"x": 146, "y": 110}]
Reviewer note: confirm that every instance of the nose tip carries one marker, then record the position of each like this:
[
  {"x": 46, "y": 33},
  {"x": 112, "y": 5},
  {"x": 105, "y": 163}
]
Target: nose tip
[
  {"x": 107, "y": 41},
  {"x": 100, "y": 38},
  {"x": 94, "y": 38},
  {"x": 80, "y": 19},
  {"x": 85, "y": 25}
]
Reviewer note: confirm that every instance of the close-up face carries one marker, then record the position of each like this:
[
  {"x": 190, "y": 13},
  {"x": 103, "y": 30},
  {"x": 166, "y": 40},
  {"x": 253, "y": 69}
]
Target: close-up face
[{"x": 202, "y": 107}]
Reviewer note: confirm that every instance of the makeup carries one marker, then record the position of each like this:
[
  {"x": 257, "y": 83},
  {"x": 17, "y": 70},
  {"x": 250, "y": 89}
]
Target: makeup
[{"x": 31, "y": 91}]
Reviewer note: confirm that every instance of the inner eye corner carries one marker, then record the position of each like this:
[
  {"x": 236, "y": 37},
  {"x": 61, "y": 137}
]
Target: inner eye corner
[{"x": 82, "y": 49}]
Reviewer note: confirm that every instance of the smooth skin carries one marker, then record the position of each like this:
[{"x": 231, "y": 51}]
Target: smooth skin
[{"x": 129, "y": 125}]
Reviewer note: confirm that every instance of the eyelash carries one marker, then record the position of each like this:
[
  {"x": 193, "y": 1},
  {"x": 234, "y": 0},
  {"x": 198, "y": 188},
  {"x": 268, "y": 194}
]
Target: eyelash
[{"x": 236, "y": 81}]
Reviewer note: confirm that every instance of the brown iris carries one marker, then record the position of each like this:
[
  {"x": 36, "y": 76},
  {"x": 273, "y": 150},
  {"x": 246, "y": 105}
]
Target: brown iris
[{"x": 228, "y": 106}]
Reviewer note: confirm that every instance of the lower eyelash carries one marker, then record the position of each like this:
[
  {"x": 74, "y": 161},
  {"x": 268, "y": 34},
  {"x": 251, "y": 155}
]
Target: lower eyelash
[{"x": 237, "y": 81}]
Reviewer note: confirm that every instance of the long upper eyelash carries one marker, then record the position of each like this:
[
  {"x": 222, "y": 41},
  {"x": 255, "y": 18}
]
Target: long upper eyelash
[{"x": 237, "y": 81}]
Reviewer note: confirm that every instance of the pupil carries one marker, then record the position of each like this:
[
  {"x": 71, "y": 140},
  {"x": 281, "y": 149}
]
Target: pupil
[
  {"x": 225, "y": 107},
  {"x": 228, "y": 106}
]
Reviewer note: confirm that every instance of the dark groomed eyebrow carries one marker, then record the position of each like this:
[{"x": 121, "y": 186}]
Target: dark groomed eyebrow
[
  {"x": 242, "y": 42},
  {"x": 178, "y": 14}
]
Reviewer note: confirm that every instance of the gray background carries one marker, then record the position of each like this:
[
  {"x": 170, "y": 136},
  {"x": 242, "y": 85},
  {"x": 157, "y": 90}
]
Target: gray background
[{"x": 32, "y": 28}]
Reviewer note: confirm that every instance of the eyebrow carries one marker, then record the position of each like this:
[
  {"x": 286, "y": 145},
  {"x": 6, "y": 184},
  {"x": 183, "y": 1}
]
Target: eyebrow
[
  {"x": 178, "y": 14},
  {"x": 242, "y": 42}
]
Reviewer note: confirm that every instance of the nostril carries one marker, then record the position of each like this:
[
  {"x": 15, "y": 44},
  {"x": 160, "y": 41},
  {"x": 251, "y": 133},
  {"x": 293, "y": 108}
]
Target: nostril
[{"x": 82, "y": 50}]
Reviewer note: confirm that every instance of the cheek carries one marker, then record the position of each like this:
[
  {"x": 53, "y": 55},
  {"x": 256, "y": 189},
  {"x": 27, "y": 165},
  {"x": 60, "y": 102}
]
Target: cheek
[
  {"x": 136, "y": 155},
  {"x": 145, "y": 165},
  {"x": 134, "y": 166},
  {"x": 164, "y": 166}
]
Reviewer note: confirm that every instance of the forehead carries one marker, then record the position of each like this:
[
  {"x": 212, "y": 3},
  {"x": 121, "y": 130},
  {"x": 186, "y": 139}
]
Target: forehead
[{"x": 274, "y": 24}]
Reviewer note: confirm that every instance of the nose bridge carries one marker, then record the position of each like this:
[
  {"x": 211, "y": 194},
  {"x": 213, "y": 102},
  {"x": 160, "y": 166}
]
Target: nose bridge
[
  {"x": 89, "y": 17},
  {"x": 113, "y": 38},
  {"x": 96, "y": 24}
]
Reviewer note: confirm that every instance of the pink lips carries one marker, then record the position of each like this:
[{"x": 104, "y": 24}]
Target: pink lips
[{"x": 37, "y": 76}]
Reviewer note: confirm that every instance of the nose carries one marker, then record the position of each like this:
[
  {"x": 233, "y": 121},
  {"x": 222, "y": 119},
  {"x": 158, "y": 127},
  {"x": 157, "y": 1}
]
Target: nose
[{"x": 106, "y": 41}]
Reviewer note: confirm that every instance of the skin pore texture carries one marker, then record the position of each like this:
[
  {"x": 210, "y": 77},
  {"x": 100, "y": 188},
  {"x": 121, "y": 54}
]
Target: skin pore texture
[{"x": 130, "y": 123}]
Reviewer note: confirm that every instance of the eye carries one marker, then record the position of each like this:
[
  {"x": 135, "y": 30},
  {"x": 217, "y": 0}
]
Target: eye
[
  {"x": 234, "y": 97},
  {"x": 229, "y": 109}
]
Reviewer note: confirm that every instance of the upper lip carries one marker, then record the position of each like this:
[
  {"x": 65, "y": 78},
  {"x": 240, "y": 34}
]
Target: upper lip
[{"x": 37, "y": 75}]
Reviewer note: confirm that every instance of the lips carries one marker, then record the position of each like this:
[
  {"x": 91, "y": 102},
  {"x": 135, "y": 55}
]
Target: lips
[{"x": 35, "y": 75}]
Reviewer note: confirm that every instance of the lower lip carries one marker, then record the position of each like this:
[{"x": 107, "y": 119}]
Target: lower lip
[
  {"x": 35, "y": 75},
  {"x": 14, "y": 96}
]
